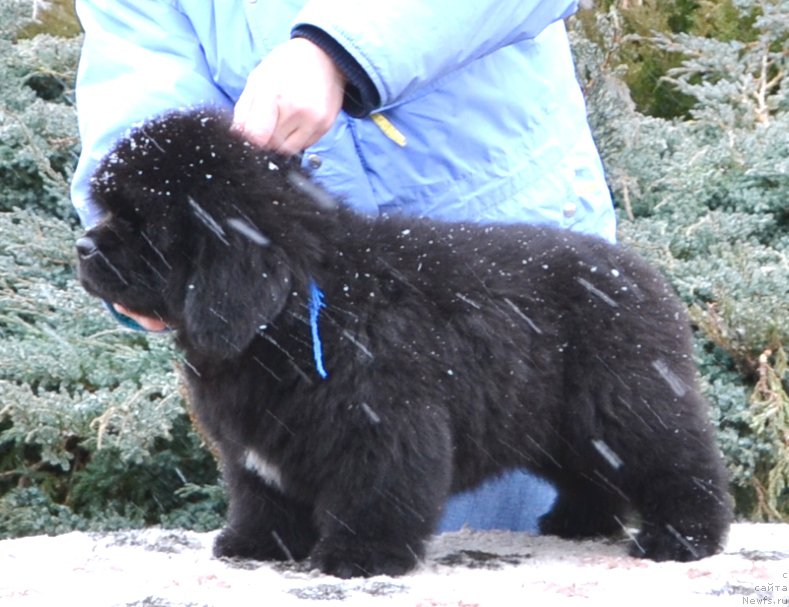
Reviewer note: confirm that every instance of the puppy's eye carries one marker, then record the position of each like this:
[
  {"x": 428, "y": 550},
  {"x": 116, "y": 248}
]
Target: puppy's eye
[
  {"x": 130, "y": 220},
  {"x": 122, "y": 227}
]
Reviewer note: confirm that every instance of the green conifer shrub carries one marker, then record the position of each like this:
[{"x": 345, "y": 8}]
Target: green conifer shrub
[
  {"x": 38, "y": 128},
  {"x": 93, "y": 429},
  {"x": 636, "y": 22},
  {"x": 94, "y": 433},
  {"x": 705, "y": 196}
]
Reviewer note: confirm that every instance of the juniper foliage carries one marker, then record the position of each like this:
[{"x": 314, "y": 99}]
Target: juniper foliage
[
  {"x": 705, "y": 196},
  {"x": 38, "y": 134},
  {"x": 93, "y": 429}
]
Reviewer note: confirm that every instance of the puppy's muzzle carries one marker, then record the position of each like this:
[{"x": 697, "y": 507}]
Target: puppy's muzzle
[{"x": 86, "y": 247}]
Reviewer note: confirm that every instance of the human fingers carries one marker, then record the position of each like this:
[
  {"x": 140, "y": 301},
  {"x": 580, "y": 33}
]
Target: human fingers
[
  {"x": 146, "y": 322},
  {"x": 296, "y": 133},
  {"x": 291, "y": 98},
  {"x": 255, "y": 117}
]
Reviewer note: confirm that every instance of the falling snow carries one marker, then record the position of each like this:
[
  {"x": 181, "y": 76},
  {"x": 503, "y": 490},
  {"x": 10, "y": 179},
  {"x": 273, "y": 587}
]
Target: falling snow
[
  {"x": 112, "y": 267},
  {"x": 347, "y": 335},
  {"x": 208, "y": 220},
  {"x": 374, "y": 417},
  {"x": 608, "y": 453},
  {"x": 597, "y": 292},
  {"x": 675, "y": 383},
  {"x": 523, "y": 316},
  {"x": 251, "y": 232},
  {"x": 317, "y": 194},
  {"x": 156, "y": 250},
  {"x": 469, "y": 301}
]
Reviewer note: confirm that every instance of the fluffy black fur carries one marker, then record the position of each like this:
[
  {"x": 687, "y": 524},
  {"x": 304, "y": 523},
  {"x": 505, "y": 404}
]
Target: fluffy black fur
[{"x": 453, "y": 351}]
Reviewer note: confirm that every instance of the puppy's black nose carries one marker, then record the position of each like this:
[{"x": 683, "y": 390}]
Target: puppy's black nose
[{"x": 86, "y": 246}]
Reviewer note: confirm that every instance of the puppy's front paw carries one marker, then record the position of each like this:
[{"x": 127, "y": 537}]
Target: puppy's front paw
[
  {"x": 229, "y": 543},
  {"x": 362, "y": 560}
]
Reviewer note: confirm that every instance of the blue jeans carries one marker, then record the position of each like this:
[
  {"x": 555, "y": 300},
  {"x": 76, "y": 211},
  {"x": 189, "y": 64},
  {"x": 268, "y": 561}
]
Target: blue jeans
[{"x": 514, "y": 501}]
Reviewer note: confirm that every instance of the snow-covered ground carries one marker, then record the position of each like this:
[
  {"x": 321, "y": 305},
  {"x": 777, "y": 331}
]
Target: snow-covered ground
[{"x": 161, "y": 568}]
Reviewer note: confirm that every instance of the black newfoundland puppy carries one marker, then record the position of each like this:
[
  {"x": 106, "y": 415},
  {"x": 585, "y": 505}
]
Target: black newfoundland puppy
[{"x": 352, "y": 373}]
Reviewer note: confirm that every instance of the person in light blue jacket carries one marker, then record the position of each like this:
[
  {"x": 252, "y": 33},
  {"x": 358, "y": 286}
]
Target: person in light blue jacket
[{"x": 453, "y": 110}]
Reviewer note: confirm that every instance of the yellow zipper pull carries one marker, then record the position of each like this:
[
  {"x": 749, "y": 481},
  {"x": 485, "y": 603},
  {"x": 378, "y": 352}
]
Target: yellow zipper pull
[{"x": 389, "y": 129}]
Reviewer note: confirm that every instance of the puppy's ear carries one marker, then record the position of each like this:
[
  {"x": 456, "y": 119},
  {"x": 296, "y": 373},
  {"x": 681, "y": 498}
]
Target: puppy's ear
[{"x": 238, "y": 285}]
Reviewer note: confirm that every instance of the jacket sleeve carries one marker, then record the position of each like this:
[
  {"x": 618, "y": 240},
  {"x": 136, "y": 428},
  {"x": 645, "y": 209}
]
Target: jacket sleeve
[
  {"x": 403, "y": 46},
  {"x": 139, "y": 58}
]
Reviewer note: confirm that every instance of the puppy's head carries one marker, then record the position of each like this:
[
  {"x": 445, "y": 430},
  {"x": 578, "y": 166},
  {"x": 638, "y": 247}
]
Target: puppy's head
[{"x": 181, "y": 236}]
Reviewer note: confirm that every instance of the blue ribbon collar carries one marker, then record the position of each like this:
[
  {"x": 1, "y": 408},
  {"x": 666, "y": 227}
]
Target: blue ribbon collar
[{"x": 315, "y": 304}]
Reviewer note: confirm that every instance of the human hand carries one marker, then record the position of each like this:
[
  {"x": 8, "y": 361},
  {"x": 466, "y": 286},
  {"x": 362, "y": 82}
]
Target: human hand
[
  {"x": 146, "y": 322},
  {"x": 291, "y": 98}
]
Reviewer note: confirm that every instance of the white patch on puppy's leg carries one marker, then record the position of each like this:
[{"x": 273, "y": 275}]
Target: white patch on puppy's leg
[{"x": 269, "y": 472}]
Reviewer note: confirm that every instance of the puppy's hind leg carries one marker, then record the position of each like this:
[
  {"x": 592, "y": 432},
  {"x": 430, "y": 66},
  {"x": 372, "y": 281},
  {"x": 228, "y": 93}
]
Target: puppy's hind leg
[
  {"x": 685, "y": 509},
  {"x": 679, "y": 486},
  {"x": 263, "y": 523}
]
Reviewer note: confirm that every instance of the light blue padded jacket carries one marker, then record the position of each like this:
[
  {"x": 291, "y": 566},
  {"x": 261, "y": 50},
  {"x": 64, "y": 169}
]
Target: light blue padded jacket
[{"x": 481, "y": 117}]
